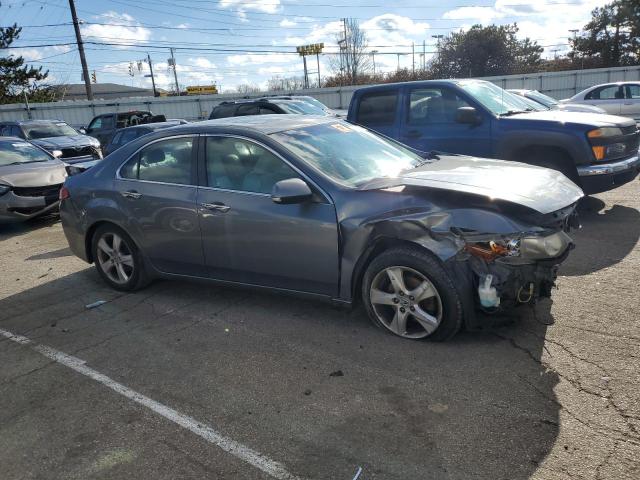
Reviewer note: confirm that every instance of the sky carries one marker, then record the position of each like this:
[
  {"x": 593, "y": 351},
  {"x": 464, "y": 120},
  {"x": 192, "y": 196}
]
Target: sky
[{"x": 236, "y": 42}]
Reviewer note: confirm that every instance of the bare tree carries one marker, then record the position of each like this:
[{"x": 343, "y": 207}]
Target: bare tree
[
  {"x": 247, "y": 89},
  {"x": 354, "y": 59},
  {"x": 285, "y": 83}
]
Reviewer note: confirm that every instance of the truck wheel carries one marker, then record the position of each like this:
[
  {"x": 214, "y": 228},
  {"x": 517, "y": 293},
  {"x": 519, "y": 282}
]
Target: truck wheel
[
  {"x": 554, "y": 159},
  {"x": 408, "y": 293}
]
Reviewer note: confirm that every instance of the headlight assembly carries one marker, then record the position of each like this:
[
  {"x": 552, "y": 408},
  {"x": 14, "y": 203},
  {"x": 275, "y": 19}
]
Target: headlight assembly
[
  {"x": 4, "y": 189},
  {"x": 605, "y": 132},
  {"x": 537, "y": 248}
]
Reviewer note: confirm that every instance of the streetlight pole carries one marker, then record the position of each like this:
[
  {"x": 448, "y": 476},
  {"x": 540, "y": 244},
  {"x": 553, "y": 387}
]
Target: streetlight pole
[
  {"x": 373, "y": 57},
  {"x": 438, "y": 38}
]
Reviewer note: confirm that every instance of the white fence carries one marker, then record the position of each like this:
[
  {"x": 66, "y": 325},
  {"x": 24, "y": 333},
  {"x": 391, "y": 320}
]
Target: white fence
[{"x": 80, "y": 112}]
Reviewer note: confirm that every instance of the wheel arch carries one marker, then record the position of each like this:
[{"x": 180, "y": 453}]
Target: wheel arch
[{"x": 88, "y": 238}]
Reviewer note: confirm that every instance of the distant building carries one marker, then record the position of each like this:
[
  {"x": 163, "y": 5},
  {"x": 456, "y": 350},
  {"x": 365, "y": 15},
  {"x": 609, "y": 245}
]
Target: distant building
[{"x": 102, "y": 91}]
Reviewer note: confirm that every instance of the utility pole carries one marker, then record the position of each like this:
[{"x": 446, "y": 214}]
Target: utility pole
[
  {"x": 398, "y": 69},
  {"x": 346, "y": 44},
  {"x": 83, "y": 60},
  {"x": 413, "y": 58},
  {"x": 318, "y": 62},
  {"x": 153, "y": 80},
  {"x": 175, "y": 72},
  {"x": 306, "y": 74},
  {"x": 373, "y": 57},
  {"x": 424, "y": 57}
]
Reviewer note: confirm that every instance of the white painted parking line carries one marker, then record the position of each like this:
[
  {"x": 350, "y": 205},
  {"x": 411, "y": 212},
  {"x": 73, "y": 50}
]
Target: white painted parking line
[{"x": 244, "y": 453}]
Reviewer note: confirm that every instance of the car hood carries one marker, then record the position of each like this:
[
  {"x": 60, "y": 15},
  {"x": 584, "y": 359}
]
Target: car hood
[
  {"x": 578, "y": 107},
  {"x": 540, "y": 189},
  {"x": 35, "y": 174},
  {"x": 562, "y": 117},
  {"x": 65, "y": 142}
]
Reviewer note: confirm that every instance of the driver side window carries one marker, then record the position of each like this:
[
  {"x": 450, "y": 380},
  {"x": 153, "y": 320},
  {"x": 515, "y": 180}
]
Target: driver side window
[
  {"x": 241, "y": 165},
  {"x": 434, "y": 105}
]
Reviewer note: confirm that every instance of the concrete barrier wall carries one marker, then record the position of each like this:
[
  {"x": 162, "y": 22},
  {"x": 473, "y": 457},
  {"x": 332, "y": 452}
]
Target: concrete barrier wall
[{"x": 79, "y": 112}]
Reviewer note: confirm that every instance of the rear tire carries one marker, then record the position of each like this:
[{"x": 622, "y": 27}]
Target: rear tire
[
  {"x": 117, "y": 259},
  {"x": 407, "y": 292}
]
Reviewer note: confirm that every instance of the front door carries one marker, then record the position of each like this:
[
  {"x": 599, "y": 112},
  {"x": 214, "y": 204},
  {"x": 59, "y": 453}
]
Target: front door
[
  {"x": 156, "y": 192},
  {"x": 247, "y": 238},
  {"x": 609, "y": 97},
  {"x": 429, "y": 123},
  {"x": 631, "y": 105}
]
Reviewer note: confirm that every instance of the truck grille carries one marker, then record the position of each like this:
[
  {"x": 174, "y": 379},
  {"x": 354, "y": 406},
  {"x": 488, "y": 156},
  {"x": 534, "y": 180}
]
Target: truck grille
[
  {"x": 49, "y": 192},
  {"x": 79, "y": 152}
]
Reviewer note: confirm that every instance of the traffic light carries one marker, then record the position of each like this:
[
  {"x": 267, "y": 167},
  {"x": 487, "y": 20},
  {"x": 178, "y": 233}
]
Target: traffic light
[
  {"x": 93, "y": 77},
  {"x": 131, "y": 68}
]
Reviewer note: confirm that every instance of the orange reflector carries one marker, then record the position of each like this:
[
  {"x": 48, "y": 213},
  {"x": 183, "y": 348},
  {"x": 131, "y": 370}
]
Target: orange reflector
[
  {"x": 597, "y": 133},
  {"x": 598, "y": 151}
]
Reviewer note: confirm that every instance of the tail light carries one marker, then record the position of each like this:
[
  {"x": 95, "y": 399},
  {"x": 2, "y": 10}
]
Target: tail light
[{"x": 64, "y": 193}]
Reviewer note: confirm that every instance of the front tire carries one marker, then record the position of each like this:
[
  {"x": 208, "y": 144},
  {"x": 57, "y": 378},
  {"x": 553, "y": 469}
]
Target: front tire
[
  {"x": 407, "y": 292},
  {"x": 117, "y": 259}
]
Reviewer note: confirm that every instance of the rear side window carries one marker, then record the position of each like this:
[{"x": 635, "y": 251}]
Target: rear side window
[
  {"x": 223, "y": 111},
  {"x": 167, "y": 161},
  {"x": 377, "y": 109},
  {"x": 633, "y": 92},
  {"x": 130, "y": 135},
  {"x": 605, "y": 93},
  {"x": 247, "y": 110}
]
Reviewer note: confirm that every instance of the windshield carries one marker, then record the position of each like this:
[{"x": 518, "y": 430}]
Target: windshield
[
  {"x": 14, "y": 153},
  {"x": 494, "y": 98},
  {"x": 315, "y": 102},
  {"x": 299, "y": 107},
  {"x": 45, "y": 130},
  {"x": 347, "y": 154},
  {"x": 532, "y": 104},
  {"x": 546, "y": 100}
]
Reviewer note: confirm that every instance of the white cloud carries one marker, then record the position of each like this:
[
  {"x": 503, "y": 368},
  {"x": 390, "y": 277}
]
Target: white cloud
[
  {"x": 114, "y": 32},
  {"x": 546, "y": 21},
  {"x": 287, "y": 23},
  {"x": 265, "y": 6},
  {"x": 260, "y": 58}
]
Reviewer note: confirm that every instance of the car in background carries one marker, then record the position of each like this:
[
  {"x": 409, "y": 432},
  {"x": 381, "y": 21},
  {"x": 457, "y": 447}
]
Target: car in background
[
  {"x": 104, "y": 126},
  {"x": 30, "y": 180},
  {"x": 621, "y": 98},
  {"x": 474, "y": 117},
  {"x": 266, "y": 106},
  {"x": 318, "y": 206},
  {"x": 308, "y": 99},
  {"x": 57, "y": 138},
  {"x": 553, "y": 104},
  {"x": 126, "y": 135}
]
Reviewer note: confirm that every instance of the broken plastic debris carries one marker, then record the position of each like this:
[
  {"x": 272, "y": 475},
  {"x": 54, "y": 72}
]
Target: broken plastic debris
[
  {"x": 358, "y": 473},
  {"x": 488, "y": 294},
  {"x": 337, "y": 373},
  {"x": 95, "y": 304}
]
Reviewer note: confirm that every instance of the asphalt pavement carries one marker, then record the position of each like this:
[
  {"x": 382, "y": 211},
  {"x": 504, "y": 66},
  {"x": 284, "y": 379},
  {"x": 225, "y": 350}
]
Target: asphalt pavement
[{"x": 186, "y": 380}]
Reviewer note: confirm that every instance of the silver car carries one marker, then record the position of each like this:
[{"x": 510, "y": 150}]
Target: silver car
[
  {"x": 622, "y": 98},
  {"x": 553, "y": 104},
  {"x": 30, "y": 180}
]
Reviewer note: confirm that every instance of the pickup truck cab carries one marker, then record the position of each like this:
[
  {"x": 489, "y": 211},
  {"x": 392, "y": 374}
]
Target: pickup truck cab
[{"x": 474, "y": 117}]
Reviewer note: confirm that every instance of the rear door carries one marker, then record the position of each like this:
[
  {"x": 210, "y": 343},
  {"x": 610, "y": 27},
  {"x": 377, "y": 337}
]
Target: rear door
[
  {"x": 247, "y": 238},
  {"x": 631, "y": 105},
  {"x": 608, "y": 97},
  {"x": 379, "y": 111},
  {"x": 429, "y": 122},
  {"x": 156, "y": 190},
  {"x": 102, "y": 128}
]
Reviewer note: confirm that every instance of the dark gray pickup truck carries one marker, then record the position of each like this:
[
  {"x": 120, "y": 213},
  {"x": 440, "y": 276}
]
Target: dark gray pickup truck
[{"x": 473, "y": 117}]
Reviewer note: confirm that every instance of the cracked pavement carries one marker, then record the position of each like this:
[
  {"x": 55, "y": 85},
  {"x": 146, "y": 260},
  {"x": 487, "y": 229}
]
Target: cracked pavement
[{"x": 555, "y": 395}]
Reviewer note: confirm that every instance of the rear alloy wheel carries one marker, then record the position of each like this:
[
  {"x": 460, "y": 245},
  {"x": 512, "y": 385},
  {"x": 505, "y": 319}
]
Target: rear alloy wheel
[
  {"x": 117, "y": 259},
  {"x": 408, "y": 293}
]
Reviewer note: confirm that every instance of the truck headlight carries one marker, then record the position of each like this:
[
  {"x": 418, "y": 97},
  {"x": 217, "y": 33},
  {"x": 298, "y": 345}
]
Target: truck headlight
[
  {"x": 605, "y": 132},
  {"x": 544, "y": 247}
]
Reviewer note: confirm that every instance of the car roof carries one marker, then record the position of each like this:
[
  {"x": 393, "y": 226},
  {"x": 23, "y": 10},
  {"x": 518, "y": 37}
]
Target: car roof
[
  {"x": 37, "y": 122},
  {"x": 12, "y": 139},
  {"x": 153, "y": 126},
  {"x": 266, "y": 124},
  {"x": 418, "y": 83}
]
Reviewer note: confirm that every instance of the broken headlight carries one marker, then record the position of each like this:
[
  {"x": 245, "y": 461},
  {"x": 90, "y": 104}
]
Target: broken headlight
[{"x": 534, "y": 247}]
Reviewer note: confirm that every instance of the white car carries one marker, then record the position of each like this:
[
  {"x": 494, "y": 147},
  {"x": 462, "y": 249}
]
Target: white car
[
  {"x": 622, "y": 98},
  {"x": 553, "y": 104}
]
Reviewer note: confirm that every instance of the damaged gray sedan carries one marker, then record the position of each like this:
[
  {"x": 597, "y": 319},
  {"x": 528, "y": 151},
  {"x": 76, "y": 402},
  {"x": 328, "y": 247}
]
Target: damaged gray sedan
[{"x": 317, "y": 206}]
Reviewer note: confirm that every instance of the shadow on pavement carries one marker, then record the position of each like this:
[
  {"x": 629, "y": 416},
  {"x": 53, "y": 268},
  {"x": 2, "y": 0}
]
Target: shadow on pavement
[
  {"x": 8, "y": 230},
  {"x": 480, "y": 406},
  {"x": 607, "y": 236},
  {"x": 62, "y": 252}
]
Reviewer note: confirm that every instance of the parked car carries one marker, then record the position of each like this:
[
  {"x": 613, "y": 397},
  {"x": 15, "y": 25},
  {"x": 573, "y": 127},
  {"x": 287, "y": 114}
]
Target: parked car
[
  {"x": 30, "y": 180},
  {"x": 598, "y": 152},
  {"x": 622, "y": 98},
  {"x": 126, "y": 135},
  {"x": 265, "y": 106},
  {"x": 305, "y": 98},
  {"x": 104, "y": 126},
  {"x": 57, "y": 138},
  {"x": 553, "y": 104},
  {"x": 318, "y": 206}
]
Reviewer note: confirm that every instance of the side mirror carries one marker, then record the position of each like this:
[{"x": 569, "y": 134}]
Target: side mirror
[
  {"x": 468, "y": 115},
  {"x": 291, "y": 190},
  {"x": 56, "y": 153},
  {"x": 82, "y": 130}
]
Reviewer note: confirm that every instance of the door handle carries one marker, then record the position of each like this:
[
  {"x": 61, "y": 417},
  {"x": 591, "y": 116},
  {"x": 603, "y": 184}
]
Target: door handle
[
  {"x": 413, "y": 134},
  {"x": 221, "y": 207},
  {"x": 131, "y": 194}
]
